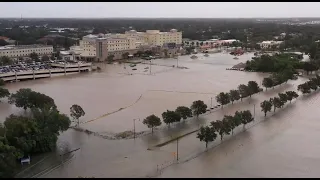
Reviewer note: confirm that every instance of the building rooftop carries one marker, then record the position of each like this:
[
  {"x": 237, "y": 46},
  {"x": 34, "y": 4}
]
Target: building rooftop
[{"x": 23, "y": 46}]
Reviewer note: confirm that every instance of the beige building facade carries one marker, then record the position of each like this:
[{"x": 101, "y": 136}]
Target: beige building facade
[
  {"x": 25, "y": 50},
  {"x": 103, "y": 45}
]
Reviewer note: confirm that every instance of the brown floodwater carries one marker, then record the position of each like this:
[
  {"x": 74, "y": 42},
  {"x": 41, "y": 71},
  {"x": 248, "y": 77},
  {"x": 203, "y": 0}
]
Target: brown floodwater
[{"x": 283, "y": 145}]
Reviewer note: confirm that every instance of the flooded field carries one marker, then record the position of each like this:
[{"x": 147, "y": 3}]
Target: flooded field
[{"x": 282, "y": 145}]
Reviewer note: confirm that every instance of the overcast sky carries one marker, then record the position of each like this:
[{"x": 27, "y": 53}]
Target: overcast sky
[{"x": 159, "y": 9}]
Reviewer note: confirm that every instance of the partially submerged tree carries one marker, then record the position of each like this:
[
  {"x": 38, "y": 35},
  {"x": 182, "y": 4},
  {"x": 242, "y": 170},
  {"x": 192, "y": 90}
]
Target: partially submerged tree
[
  {"x": 76, "y": 112},
  {"x": 4, "y": 92},
  {"x": 206, "y": 134},
  {"x": 243, "y": 90},
  {"x": 223, "y": 98},
  {"x": 283, "y": 98},
  {"x": 184, "y": 112},
  {"x": 170, "y": 117},
  {"x": 291, "y": 95},
  {"x": 234, "y": 95},
  {"x": 246, "y": 117},
  {"x": 198, "y": 107},
  {"x": 276, "y": 102},
  {"x": 266, "y": 107},
  {"x": 152, "y": 121},
  {"x": 267, "y": 82},
  {"x": 253, "y": 87}
]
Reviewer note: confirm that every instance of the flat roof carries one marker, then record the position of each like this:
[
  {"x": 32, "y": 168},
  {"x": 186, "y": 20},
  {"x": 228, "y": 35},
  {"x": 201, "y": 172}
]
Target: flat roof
[{"x": 24, "y": 46}]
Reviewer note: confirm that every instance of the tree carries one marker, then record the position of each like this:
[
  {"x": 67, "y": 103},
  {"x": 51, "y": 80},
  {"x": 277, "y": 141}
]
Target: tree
[
  {"x": 267, "y": 82},
  {"x": 170, "y": 117},
  {"x": 4, "y": 92},
  {"x": 291, "y": 95},
  {"x": 243, "y": 90},
  {"x": 246, "y": 117},
  {"x": 5, "y": 60},
  {"x": 232, "y": 122},
  {"x": 184, "y": 112},
  {"x": 283, "y": 97},
  {"x": 37, "y": 133},
  {"x": 312, "y": 85},
  {"x": 304, "y": 88},
  {"x": 152, "y": 121},
  {"x": 45, "y": 58},
  {"x": 223, "y": 98},
  {"x": 266, "y": 107},
  {"x": 2, "y": 83},
  {"x": 110, "y": 58},
  {"x": 26, "y": 98},
  {"x": 198, "y": 107},
  {"x": 253, "y": 87},
  {"x": 9, "y": 155},
  {"x": 234, "y": 95},
  {"x": 276, "y": 102},
  {"x": 125, "y": 55},
  {"x": 76, "y": 112},
  {"x": 206, "y": 134},
  {"x": 34, "y": 56},
  {"x": 222, "y": 127},
  {"x": 52, "y": 57}
]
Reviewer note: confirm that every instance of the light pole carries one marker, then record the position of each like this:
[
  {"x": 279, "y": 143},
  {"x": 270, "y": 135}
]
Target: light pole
[
  {"x": 177, "y": 149},
  {"x": 134, "y": 128},
  {"x": 177, "y": 62}
]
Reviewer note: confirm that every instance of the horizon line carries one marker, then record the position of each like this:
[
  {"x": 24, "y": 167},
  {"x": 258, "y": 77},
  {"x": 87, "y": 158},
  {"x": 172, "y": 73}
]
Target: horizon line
[{"x": 155, "y": 17}]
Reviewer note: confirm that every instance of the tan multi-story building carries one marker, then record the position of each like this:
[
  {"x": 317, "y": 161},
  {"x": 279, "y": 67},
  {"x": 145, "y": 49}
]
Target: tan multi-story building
[
  {"x": 25, "y": 50},
  {"x": 100, "y": 46}
]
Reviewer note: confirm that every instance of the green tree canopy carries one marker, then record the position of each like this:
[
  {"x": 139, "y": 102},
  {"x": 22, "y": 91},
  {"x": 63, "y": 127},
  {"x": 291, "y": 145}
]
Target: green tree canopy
[
  {"x": 244, "y": 91},
  {"x": 198, "y": 107},
  {"x": 234, "y": 95},
  {"x": 223, "y": 98},
  {"x": 184, "y": 112},
  {"x": 206, "y": 134},
  {"x": 267, "y": 82},
  {"x": 291, "y": 95},
  {"x": 266, "y": 107},
  {"x": 170, "y": 117},
  {"x": 26, "y": 98},
  {"x": 152, "y": 121}
]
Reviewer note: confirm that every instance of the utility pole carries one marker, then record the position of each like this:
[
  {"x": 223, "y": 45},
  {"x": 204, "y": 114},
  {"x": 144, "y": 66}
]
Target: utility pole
[
  {"x": 134, "y": 128},
  {"x": 177, "y": 149},
  {"x": 150, "y": 67},
  {"x": 211, "y": 103},
  {"x": 254, "y": 110},
  {"x": 177, "y": 62}
]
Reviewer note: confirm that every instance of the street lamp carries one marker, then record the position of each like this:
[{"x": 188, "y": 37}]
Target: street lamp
[{"x": 134, "y": 128}]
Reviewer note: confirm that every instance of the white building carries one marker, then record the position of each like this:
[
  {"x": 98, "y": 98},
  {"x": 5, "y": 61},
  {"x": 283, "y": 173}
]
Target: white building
[
  {"x": 25, "y": 50},
  {"x": 269, "y": 44}
]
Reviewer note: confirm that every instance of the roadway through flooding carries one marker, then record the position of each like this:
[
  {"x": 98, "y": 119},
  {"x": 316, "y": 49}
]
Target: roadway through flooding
[{"x": 282, "y": 145}]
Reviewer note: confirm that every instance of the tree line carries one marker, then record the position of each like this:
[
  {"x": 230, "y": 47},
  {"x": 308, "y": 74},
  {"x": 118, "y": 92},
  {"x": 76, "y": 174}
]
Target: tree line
[
  {"x": 182, "y": 112},
  {"x": 36, "y": 131},
  {"x": 311, "y": 84},
  {"x": 277, "y": 102},
  {"x": 243, "y": 91},
  {"x": 224, "y": 127}
]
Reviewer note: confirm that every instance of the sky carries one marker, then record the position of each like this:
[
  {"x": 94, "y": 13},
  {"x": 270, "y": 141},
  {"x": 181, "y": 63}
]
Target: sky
[{"x": 159, "y": 9}]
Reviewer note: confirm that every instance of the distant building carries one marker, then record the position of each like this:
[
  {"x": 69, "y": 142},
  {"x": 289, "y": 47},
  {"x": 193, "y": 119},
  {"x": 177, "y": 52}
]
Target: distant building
[
  {"x": 8, "y": 40},
  {"x": 99, "y": 47},
  {"x": 25, "y": 50},
  {"x": 270, "y": 44}
]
